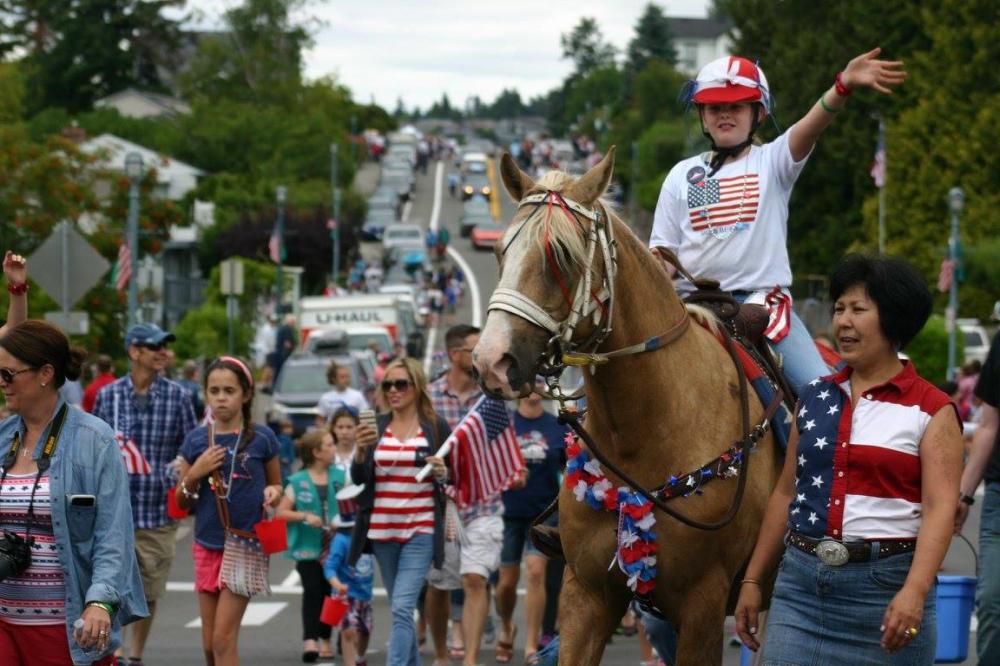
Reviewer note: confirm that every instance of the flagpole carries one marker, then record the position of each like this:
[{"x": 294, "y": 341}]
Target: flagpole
[{"x": 881, "y": 190}]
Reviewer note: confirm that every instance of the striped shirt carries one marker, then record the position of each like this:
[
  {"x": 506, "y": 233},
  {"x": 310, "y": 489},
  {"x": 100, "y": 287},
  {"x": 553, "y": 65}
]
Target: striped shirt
[
  {"x": 858, "y": 473},
  {"x": 404, "y": 507},
  {"x": 37, "y": 596}
]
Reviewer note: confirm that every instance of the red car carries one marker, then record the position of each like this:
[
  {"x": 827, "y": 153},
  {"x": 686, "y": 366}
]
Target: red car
[{"x": 485, "y": 235}]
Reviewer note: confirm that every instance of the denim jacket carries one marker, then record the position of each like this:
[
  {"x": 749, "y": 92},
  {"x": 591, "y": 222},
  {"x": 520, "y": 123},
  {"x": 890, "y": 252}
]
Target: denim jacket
[{"x": 95, "y": 543}]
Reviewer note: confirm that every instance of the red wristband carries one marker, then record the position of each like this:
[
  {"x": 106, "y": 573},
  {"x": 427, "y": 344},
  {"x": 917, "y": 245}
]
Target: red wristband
[
  {"x": 17, "y": 289},
  {"x": 838, "y": 85}
]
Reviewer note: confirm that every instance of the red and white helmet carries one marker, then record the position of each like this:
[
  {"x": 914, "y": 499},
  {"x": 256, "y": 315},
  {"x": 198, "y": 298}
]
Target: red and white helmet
[{"x": 731, "y": 79}]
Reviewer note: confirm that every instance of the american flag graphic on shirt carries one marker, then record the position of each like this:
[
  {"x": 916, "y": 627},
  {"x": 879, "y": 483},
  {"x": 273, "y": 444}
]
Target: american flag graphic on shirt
[{"x": 716, "y": 202}]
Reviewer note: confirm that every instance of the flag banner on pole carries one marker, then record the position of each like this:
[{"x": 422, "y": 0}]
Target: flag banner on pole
[
  {"x": 878, "y": 165},
  {"x": 122, "y": 271},
  {"x": 485, "y": 456},
  {"x": 275, "y": 246}
]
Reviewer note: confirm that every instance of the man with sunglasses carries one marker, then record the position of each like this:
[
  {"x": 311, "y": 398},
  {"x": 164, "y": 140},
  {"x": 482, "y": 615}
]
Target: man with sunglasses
[{"x": 151, "y": 415}]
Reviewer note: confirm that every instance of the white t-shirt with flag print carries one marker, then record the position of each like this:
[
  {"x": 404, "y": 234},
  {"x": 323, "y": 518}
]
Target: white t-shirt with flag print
[{"x": 732, "y": 227}]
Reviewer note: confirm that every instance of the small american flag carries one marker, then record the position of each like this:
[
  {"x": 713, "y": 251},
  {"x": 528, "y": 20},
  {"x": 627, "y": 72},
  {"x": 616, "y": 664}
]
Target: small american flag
[
  {"x": 878, "y": 165},
  {"x": 723, "y": 201},
  {"x": 123, "y": 267},
  {"x": 135, "y": 462},
  {"x": 485, "y": 455},
  {"x": 779, "y": 313}
]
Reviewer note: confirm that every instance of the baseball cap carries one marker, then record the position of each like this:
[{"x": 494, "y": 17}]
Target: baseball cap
[{"x": 147, "y": 334}]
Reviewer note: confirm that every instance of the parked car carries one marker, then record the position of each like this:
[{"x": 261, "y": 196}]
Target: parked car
[
  {"x": 476, "y": 183},
  {"x": 302, "y": 381},
  {"x": 486, "y": 234},
  {"x": 975, "y": 338},
  {"x": 475, "y": 211},
  {"x": 376, "y": 222},
  {"x": 400, "y": 234}
]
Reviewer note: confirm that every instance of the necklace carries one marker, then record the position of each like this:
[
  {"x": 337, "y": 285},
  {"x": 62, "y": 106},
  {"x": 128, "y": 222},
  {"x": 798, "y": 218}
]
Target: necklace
[{"x": 722, "y": 232}]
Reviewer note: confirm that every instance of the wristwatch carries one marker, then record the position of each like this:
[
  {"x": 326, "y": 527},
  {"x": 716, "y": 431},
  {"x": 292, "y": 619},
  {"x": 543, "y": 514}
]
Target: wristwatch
[{"x": 967, "y": 499}]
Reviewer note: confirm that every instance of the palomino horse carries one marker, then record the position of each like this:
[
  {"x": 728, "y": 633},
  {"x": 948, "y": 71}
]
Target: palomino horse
[{"x": 655, "y": 414}]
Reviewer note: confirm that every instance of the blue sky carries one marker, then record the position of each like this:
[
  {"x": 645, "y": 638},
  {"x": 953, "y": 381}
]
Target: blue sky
[{"x": 384, "y": 49}]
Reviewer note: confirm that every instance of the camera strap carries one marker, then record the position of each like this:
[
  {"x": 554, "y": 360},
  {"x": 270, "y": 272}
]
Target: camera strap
[{"x": 43, "y": 462}]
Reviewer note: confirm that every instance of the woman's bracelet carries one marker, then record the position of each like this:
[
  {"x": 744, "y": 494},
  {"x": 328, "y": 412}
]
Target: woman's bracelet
[
  {"x": 839, "y": 87},
  {"x": 106, "y": 606},
  {"x": 187, "y": 493},
  {"x": 17, "y": 288},
  {"x": 752, "y": 581},
  {"x": 828, "y": 109}
]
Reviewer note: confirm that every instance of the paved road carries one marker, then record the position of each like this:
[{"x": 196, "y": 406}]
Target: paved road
[{"x": 272, "y": 630}]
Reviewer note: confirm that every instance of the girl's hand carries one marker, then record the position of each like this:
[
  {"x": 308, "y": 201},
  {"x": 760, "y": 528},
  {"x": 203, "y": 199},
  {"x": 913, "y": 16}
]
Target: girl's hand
[
  {"x": 880, "y": 75},
  {"x": 15, "y": 268},
  {"x": 747, "y": 614},
  {"x": 366, "y": 436},
  {"x": 338, "y": 586},
  {"x": 96, "y": 630},
  {"x": 209, "y": 461},
  {"x": 438, "y": 468},
  {"x": 904, "y": 614},
  {"x": 312, "y": 520},
  {"x": 271, "y": 495}
]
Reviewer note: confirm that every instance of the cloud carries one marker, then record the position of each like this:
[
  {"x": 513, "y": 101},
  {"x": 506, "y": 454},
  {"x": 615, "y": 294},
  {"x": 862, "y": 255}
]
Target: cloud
[{"x": 389, "y": 49}]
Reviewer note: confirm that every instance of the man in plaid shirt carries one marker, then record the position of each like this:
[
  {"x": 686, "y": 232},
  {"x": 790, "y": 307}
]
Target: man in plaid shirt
[
  {"x": 155, "y": 414},
  {"x": 453, "y": 395}
]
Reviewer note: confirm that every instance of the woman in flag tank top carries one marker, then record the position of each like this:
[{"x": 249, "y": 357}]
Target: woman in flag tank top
[
  {"x": 400, "y": 519},
  {"x": 230, "y": 474},
  {"x": 863, "y": 513},
  {"x": 725, "y": 213}
]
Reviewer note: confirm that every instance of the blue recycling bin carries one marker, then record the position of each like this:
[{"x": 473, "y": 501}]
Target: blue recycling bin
[{"x": 955, "y": 599}]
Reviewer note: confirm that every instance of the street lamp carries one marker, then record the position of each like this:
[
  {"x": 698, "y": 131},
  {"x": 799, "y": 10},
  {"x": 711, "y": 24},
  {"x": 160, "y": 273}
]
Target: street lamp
[
  {"x": 281, "y": 194},
  {"x": 956, "y": 201},
  {"x": 133, "y": 169}
]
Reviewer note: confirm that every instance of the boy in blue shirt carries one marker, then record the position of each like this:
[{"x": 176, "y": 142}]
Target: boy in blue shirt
[{"x": 354, "y": 582}]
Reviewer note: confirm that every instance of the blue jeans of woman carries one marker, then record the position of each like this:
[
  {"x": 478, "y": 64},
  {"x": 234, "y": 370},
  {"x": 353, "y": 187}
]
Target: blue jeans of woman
[
  {"x": 404, "y": 568},
  {"x": 988, "y": 584},
  {"x": 822, "y": 614},
  {"x": 801, "y": 361}
]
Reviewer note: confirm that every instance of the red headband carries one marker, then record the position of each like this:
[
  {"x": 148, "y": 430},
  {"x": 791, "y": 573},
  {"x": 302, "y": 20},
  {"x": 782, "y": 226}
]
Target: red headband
[{"x": 241, "y": 365}]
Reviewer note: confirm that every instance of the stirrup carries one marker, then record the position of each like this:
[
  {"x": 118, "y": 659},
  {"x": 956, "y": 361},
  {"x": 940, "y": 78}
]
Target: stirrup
[{"x": 547, "y": 541}]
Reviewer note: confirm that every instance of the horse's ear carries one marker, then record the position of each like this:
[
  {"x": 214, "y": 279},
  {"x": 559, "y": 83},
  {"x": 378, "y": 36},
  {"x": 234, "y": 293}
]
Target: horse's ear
[
  {"x": 593, "y": 184},
  {"x": 516, "y": 181}
]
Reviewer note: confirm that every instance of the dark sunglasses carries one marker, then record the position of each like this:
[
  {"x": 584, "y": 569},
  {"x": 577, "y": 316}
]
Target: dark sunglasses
[
  {"x": 153, "y": 348},
  {"x": 7, "y": 375},
  {"x": 398, "y": 384}
]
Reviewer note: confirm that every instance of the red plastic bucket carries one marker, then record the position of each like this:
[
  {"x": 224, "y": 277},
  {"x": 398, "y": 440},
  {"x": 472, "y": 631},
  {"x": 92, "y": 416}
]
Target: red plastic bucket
[
  {"x": 334, "y": 609},
  {"x": 174, "y": 509},
  {"x": 273, "y": 535}
]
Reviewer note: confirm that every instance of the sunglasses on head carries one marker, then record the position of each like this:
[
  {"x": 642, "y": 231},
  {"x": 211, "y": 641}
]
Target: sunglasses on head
[
  {"x": 398, "y": 384},
  {"x": 7, "y": 375}
]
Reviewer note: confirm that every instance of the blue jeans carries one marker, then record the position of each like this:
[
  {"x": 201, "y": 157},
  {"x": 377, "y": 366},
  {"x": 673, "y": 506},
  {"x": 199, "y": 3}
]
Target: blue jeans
[
  {"x": 831, "y": 615},
  {"x": 404, "y": 567},
  {"x": 661, "y": 636},
  {"x": 801, "y": 361},
  {"x": 988, "y": 584}
]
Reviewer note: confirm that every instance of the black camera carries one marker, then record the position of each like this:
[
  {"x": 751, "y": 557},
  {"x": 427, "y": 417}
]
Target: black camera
[{"x": 15, "y": 555}]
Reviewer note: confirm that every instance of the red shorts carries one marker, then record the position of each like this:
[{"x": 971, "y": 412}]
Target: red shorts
[
  {"x": 38, "y": 645},
  {"x": 207, "y": 568}
]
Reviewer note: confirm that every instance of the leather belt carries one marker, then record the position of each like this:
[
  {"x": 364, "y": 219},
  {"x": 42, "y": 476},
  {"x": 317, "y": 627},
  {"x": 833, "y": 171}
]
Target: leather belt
[{"x": 837, "y": 553}]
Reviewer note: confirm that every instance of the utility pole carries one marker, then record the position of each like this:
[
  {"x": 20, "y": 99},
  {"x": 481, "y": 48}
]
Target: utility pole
[
  {"x": 133, "y": 170},
  {"x": 281, "y": 194},
  {"x": 881, "y": 190},
  {"x": 956, "y": 201},
  {"x": 335, "y": 221}
]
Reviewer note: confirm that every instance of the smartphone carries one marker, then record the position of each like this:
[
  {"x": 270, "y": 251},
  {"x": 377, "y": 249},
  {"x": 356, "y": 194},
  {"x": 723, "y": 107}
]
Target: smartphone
[
  {"x": 367, "y": 417},
  {"x": 82, "y": 500}
]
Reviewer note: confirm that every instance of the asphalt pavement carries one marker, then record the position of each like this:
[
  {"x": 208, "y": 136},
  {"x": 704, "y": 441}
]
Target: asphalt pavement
[{"x": 271, "y": 631}]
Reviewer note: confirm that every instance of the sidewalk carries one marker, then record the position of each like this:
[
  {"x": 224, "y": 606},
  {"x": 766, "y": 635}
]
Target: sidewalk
[{"x": 366, "y": 178}]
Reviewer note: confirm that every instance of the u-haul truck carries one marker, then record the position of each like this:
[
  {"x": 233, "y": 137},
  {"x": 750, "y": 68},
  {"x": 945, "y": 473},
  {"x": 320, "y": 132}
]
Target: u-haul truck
[{"x": 390, "y": 311}]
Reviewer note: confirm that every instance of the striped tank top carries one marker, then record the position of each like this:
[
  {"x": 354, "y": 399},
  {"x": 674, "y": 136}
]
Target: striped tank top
[{"x": 404, "y": 507}]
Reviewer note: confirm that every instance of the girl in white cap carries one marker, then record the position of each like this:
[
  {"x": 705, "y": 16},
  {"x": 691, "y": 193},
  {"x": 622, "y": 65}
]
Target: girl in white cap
[{"x": 725, "y": 212}]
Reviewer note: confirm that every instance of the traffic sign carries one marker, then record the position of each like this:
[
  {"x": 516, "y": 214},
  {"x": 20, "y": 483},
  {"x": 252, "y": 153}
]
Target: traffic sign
[
  {"x": 74, "y": 322},
  {"x": 67, "y": 266},
  {"x": 231, "y": 277}
]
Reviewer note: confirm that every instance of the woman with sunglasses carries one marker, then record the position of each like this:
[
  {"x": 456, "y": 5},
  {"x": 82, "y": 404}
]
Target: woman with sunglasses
[
  {"x": 69, "y": 580},
  {"x": 400, "y": 519}
]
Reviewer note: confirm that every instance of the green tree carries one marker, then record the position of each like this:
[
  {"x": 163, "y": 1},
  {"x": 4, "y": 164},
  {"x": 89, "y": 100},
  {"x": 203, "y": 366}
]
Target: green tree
[
  {"x": 585, "y": 46},
  {"x": 507, "y": 105},
  {"x": 653, "y": 40},
  {"x": 78, "y": 51}
]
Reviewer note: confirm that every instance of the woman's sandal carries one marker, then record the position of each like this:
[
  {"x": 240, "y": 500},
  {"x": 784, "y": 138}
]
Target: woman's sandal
[
  {"x": 456, "y": 652},
  {"x": 504, "y": 650}
]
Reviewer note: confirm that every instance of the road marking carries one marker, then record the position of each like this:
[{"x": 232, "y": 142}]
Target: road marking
[
  {"x": 407, "y": 207},
  {"x": 433, "y": 224},
  {"x": 292, "y": 579},
  {"x": 182, "y": 531},
  {"x": 470, "y": 277},
  {"x": 257, "y": 614},
  {"x": 188, "y": 586}
]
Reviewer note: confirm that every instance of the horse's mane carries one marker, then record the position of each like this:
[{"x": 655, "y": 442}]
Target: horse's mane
[{"x": 704, "y": 316}]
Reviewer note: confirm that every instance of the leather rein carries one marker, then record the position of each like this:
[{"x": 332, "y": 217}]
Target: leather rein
[{"x": 562, "y": 351}]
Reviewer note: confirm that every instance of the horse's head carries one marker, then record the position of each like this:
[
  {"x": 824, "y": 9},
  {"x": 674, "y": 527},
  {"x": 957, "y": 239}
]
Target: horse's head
[{"x": 559, "y": 230}]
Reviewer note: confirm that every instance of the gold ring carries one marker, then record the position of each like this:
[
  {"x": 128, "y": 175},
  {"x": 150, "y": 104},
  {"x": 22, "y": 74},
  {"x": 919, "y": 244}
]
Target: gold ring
[{"x": 912, "y": 632}]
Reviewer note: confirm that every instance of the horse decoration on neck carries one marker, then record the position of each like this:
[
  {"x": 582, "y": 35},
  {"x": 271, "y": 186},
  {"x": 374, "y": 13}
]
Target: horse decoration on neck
[{"x": 665, "y": 405}]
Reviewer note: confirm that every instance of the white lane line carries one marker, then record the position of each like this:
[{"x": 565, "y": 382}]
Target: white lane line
[
  {"x": 257, "y": 614},
  {"x": 188, "y": 586},
  {"x": 470, "y": 278},
  {"x": 433, "y": 225},
  {"x": 407, "y": 207},
  {"x": 292, "y": 579}
]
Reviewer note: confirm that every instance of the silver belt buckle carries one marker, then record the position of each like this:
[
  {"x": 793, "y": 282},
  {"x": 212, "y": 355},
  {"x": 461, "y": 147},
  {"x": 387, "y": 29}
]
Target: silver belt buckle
[{"x": 832, "y": 553}]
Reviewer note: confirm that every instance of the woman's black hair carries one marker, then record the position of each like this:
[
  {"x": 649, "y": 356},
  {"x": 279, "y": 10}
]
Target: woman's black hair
[
  {"x": 904, "y": 302},
  {"x": 240, "y": 370},
  {"x": 39, "y": 343}
]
